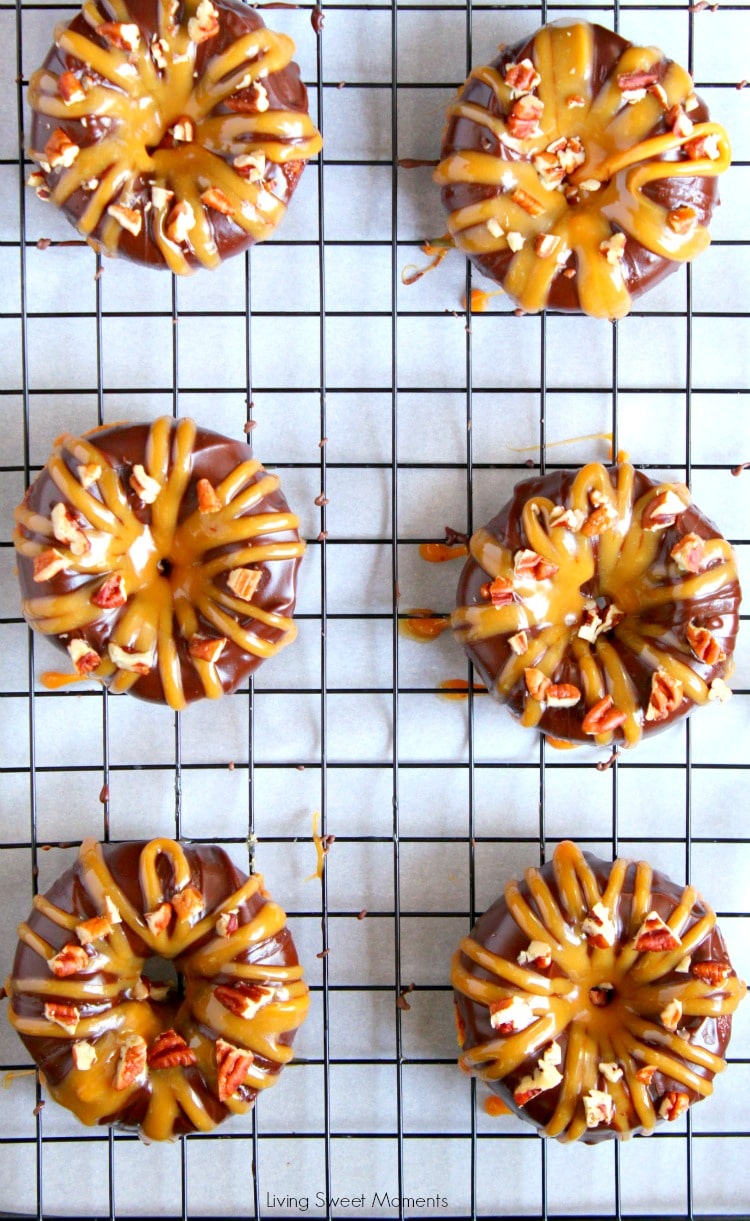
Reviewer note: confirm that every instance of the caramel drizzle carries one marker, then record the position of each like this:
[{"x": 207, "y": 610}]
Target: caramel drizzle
[
  {"x": 161, "y": 610},
  {"x": 620, "y": 156},
  {"x": 133, "y": 82},
  {"x": 115, "y": 971},
  {"x": 629, "y": 572},
  {"x": 628, "y": 1031}
]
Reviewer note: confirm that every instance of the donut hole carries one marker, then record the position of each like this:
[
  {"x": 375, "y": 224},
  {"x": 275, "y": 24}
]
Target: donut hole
[
  {"x": 164, "y": 566},
  {"x": 162, "y": 972}
]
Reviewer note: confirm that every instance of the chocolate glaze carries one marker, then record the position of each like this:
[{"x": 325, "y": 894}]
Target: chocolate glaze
[
  {"x": 214, "y": 457},
  {"x": 216, "y": 876},
  {"x": 498, "y": 932},
  {"x": 286, "y": 91},
  {"x": 718, "y": 612},
  {"x": 641, "y": 267}
]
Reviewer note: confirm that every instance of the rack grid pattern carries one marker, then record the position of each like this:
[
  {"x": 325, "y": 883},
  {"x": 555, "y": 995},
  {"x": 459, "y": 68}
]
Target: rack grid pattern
[{"x": 393, "y": 397}]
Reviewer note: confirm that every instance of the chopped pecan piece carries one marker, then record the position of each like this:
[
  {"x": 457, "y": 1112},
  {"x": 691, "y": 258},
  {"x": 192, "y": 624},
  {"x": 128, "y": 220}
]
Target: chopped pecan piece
[
  {"x": 646, "y": 1074},
  {"x": 180, "y": 221},
  {"x": 227, "y": 923},
  {"x": 603, "y": 717},
  {"x": 666, "y": 696},
  {"x": 71, "y": 89},
  {"x": 599, "y": 1107},
  {"x": 511, "y": 1014},
  {"x": 84, "y": 1055},
  {"x": 703, "y": 148},
  {"x": 251, "y": 166},
  {"x": 205, "y": 23},
  {"x": 529, "y": 563},
  {"x": 499, "y": 592},
  {"x": 719, "y": 691},
  {"x": 89, "y": 931},
  {"x": 111, "y": 593},
  {"x": 208, "y": 499},
  {"x": 546, "y": 244},
  {"x": 682, "y": 220},
  {"x": 252, "y": 100},
  {"x": 60, "y": 151},
  {"x": 232, "y": 1064},
  {"x": 207, "y": 648},
  {"x": 65, "y": 1016},
  {"x": 601, "y": 995},
  {"x": 68, "y": 961},
  {"x": 120, "y": 34},
  {"x": 188, "y": 902},
  {"x": 89, "y": 473},
  {"x": 538, "y": 954},
  {"x": 613, "y": 248},
  {"x": 515, "y": 240},
  {"x": 568, "y": 519},
  {"x": 678, "y": 121},
  {"x": 67, "y": 529},
  {"x": 574, "y": 101},
  {"x": 244, "y": 1000},
  {"x": 525, "y": 115},
  {"x": 563, "y": 695},
  {"x": 670, "y": 1015},
  {"x": 705, "y": 646},
  {"x": 159, "y": 48},
  {"x": 127, "y": 659},
  {"x": 48, "y": 563},
  {"x": 169, "y": 1050},
  {"x": 183, "y": 130},
  {"x": 84, "y": 658},
  {"x": 527, "y": 201},
  {"x": 599, "y": 520},
  {"x": 599, "y": 927},
  {"x": 243, "y": 582},
  {"x": 689, "y": 554},
  {"x": 711, "y": 971},
  {"x": 521, "y": 77},
  {"x": 111, "y": 910},
  {"x": 159, "y": 919},
  {"x": 127, "y": 218},
  {"x": 144, "y": 486},
  {"x": 674, "y": 1104},
  {"x": 161, "y": 198},
  {"x": 131, "y": 1065},
  {"x": 519, "y": 643},
  {"x": 215, "y": 198},
  {"x": 655, "y": 936},
  {"x": 611, "y": 1071},
  {"x": 630, "y": 82},
  {"x": 662, "y": 510},
  {"x": 537, "y": 683}
]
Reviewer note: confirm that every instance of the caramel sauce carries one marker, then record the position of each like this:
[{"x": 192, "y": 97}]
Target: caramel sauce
[
  {"x": 495, "y": 1106},
  {"x": 559, "y": 744},
  {"x": 159, "y": 608},
  {"x": 623, "y": 566},
  {"x": 53, "y": 680},
  {"x": 320, "y": 851},
  {"x": 458, "y": 689},
  {"x": 626, "y": 1031},
  {"x": 91, "y": 1094},
  {"x": 439, "y": 553},
  {"x": 130, "y": 84},
  {"x": 480, "y": 300},
  {"x": 10, "y": 1077},
  {"x": 422, "y": 625},
  {"x": 620, "y": 163}
]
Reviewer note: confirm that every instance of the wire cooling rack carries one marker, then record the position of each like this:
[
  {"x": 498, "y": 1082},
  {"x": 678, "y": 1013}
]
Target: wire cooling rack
[{"x": 390, "y": 414}]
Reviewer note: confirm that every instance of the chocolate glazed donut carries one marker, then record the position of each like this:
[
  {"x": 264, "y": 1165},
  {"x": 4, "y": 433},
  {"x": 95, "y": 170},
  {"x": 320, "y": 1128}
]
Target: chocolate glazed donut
[
  {"x": 171, "y": 133},
  {"x": 599, "y": 605},
  {"x": 578, "y": 170},
  {"x": 162, "y": 557},
  {"x": 120, "y": 1047},
  {"x": 595, "y": 999}
]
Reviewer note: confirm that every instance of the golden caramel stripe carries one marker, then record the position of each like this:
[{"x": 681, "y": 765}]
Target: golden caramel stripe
[
  {"x": 681, "y": 1047},
  {"x": 576, "y": 882},
  {"x": 498, "y": 1057},
  {"x": 266, "y": 974},
  {"x": 653, "y": 965},
  {"x": 622, "y": 690},
  {"x": 520, "y": 977},
  {"x": 547, "y": 907},
  {"x": 260, "y": 1034},
  {"x": 151, "y": 886},
  {"x": 588, "y": 1076},
  {"x": 247, "y": 640},
  {"x": 252, "y": 555},
  {"x": 568, "y": 1095},
  {"x": 167, "y": 655},
  {"x": 484, "y": 622},
  {"x": 239, "y": 897},
  {"x": 100, "y": 883},
  {"x": 623, "y": 1042},
  {"x": 551, "y": 659},
  {"x": 90, "y": 989},
  {"x": 613, "y": 890},
  {"x": 266, "y": 923},
  {"x": 35, "y": 942},
  {"x": 71, "y": 489},
  {"x": 672, "y": 1067},
  {"x": 107, "y": 62},
  {"x": 591, "y": 675},
  {"x": 175, "y": 479},
  {"x": 55, "y": 914}
]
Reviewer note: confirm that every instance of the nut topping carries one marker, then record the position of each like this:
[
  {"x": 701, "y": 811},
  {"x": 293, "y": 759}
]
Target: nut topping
[
  {"x": 655, "y": 935},
  {"x": 71, "y": 89},
  {"x": 719, "y": 691},
  {"x": 183, "y": 131},
  {"x": 180, "y": 222},
  {"x": 188, "y": 902},
  {"x": 232, "y": 1064},
  {"x": 494, "y": 227},
  {"x": 66, "y": 1017},
  {"x": 215, "y": 198},
  {"x": 161, "y": 198},
  {"x": 682, "y": 220},
  {"x": 89, "y": 473},
  {"x": 68, "y": 961},
  {"x": 521, "y": 77},
  {"x": 704, "y": 645},
  {"x": 207, "y": 648},
  {"x": 638, "y": 81},
  {"x": 546, "y": 244},
  {"x": 601, "y": 995},
  {"x": 528, "y": 563},
  {"x": 689, "y": 554},
  {"x": 60, "y": 151},
  {"x": 131, "y": 1066},
  {"x": 528, "y": 202},
  {"x": 666, "y": 696},
  {"x": 562, "y": 695},
  {"x": 519, "y": 643},
  {"x": 244, "y": 1000},
  {"x": 205, "y": 23},
  {"x": 159, "y": 919},
  {"x": 510, "y": 1015},
  {"x": 537, "y": 683},
  {"x": 227, "y": 923},
  {"x": 159, "y": 48},
  {"x": 208, "y": 499},
  {"x": 674, "y": 1104},
  {"x": 611, "y": 1071},
  {"x": 252, "y": 100},
  {"x": 243, "y": 582},
  {"x": 703, "y": 148},
  {"x": 169, "y": 1050},
  {"x": 514, "y": 240},
  {"x": 48, "y": 563},
  {"x": 662, "y": 510},
  {"x": 683, "y": 966},
  {"x": 599, "y": 927},
  {"x": 568, "y": 519},
  {"x": 524, "y": 117},
  {"x": 604, "y": 716},
  {"x": 67, "y": 529},
  {"x": 94, "y": 929},
  {"x": 111, "y": 593},
  {"x": 670, "y": 1015},
  {"x": 84, "y": 1055},
  {"x": 646, "y": 1074},
  {"x": 711, "y": 971},
  {"x": 613, "y": 248},
  {"x": 119, "y": 34},
  {"x": 144, "y": 485},
  {"x": 128, "y": 659},
  {"x": 127, "y": 218},
  {"x": 84, "y": 658},
  {"x": 250, "y": 166},
  {"x": 111, "y": 911},
  {"x": 539, "y": 954},
  {"x": 546, "y": 1076},
  {"x": 599, "y": 1107},
  {"x": 601, "y": 519},
  {"x": 678, "y": 121}
]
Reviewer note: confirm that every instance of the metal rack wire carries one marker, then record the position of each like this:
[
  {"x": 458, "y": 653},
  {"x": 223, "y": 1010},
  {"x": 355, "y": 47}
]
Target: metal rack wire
[{"x": 502, "y": 802}]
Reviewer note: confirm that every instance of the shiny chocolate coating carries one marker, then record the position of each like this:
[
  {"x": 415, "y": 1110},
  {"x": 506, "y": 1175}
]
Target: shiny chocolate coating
[
  {"x": 629, "y": 1021},
  {"x": 162, "y": 568},
  {"x": 658, "y": 600},
  {"x": 266, "y": 954},
  {"x": 280, "y": 129}
]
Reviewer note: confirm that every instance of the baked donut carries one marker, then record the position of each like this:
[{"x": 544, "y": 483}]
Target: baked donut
[
  {"x": 577, "y": 170},
  {"x": 170, "y": 132},
  {"x": 116, "y": 1046},
  {"x": 600, "y": 605},
  {"x": 595, "y": 999},
  {"x": 163, "y": 558}
]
